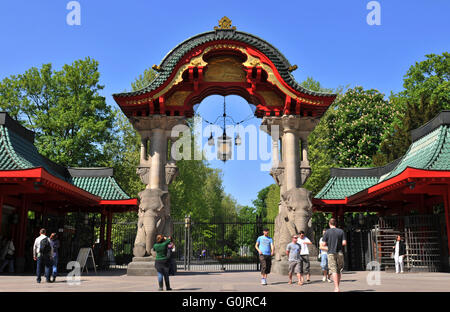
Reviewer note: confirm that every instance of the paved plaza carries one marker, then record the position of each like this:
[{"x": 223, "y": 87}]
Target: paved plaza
[{"x": 118, "y": 281}]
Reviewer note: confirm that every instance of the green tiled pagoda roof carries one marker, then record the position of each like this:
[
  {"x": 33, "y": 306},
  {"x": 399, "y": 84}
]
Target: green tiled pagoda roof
[
  {"x": 430, "y": 150},
  {"x": 104, "y": 187},
  {"x": 174, "y": 56},
  {"x": 342, "y": 187},
  {"x": 18, "y": 152}
]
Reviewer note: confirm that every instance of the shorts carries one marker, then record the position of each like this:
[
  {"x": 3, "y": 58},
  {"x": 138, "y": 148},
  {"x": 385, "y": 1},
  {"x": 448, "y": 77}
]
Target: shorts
[
  {"x": 336, "y": 262},
  {"x": 266, "y": 263},
  {"x": 304, "y": 259},
  {"x": 294, "y": 267}
]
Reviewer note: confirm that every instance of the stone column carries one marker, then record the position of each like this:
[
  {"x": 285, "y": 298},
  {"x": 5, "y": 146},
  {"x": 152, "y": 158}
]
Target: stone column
[
  {"x": 295, "y": 208},
  {"x": 290, "y": 158},
  {"x": 158, "y": 154},
  {"x": 156, "y": 172}
]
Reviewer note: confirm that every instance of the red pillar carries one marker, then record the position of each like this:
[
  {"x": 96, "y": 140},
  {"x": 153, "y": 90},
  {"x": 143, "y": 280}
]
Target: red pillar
[
  {"x": 22, "y": 228},
  {"x": 340, "y": 215},
  {"x": 108, "y": 230},
  {"x": 1, "y": 212},
  {"x": 335, "y": 213},
  {"x": 102, "y": 233},
  {"x": 447, "y": 216}
]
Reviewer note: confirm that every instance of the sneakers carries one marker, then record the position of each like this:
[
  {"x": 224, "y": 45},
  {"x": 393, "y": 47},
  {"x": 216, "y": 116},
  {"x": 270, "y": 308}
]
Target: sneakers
[
  {"x": 329, "y": 281},
  {"x": 263, "y": 281},
  {"x": 324, "y": 279}
]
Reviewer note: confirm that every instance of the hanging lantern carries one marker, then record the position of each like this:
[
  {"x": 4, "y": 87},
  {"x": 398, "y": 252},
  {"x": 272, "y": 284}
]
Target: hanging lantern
[
  {"x": 211, "y": 140},
  {"x": 237, "y": 140},
  {"x": 224, "y": 147}
]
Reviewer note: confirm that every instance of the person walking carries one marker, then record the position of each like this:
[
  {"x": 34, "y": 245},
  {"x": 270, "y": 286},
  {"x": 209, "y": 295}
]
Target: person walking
[
  {"x": 162, "y": 261},
  {"x": 334, "y": 239},
  {"x": 324, "y": 259},
  {"x": 7, "y": 255},
  {"x": 293, "y": 253},
  {"x": 304, "y": 256},
  {"x": 54, "y": 241},
  {"x": 399, "y": 254},
  {"x": 264, "y": 246},
  {"x": 43, "y": 254}
]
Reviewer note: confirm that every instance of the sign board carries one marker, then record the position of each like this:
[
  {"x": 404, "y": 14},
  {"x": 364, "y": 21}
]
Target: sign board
[{"x": 83, "y": 255}]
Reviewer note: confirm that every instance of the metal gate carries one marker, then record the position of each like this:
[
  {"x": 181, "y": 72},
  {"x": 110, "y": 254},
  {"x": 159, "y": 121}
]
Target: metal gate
[
  {"x": 375, "y": 241},
  {"x": 422, "y": 235},
  {"x": 218, "y": 245}
]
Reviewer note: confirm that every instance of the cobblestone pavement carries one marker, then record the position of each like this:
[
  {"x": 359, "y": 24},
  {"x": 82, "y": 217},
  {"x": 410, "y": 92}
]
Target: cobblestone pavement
[{"x": 229, "y": 282}]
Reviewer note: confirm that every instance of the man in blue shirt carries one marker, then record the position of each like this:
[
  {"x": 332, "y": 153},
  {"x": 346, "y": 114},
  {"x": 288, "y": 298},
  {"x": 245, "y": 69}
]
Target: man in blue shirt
[{"x": 264, "y": 245}]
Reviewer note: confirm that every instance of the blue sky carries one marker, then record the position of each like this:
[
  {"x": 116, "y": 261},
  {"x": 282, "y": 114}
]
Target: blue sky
[{"x": 328, "y": 40}]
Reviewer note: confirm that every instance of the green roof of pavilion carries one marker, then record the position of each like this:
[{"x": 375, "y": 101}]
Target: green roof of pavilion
[
  {"x": 429, "y": 150},
  {"x": 18, "y": 152}
]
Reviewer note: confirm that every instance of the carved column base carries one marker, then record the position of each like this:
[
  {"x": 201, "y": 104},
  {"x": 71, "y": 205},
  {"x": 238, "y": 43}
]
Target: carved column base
[
  {"x": 142, "y": 266},
  {"x": 281, "y": 267}
]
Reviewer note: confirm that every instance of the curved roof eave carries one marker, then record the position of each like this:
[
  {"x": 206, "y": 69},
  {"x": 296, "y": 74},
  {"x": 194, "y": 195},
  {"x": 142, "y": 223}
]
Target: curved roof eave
[{"x": 173, "y": 57}]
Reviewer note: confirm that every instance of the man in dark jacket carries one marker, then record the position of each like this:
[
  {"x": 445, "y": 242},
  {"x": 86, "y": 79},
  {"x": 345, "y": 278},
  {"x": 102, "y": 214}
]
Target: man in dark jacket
[{"x": 399, "y": 253}]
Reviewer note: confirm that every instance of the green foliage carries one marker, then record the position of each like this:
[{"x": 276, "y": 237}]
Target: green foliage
[
  {"x": 315, "y": 85},
  {"x": 426, "y": 92},
  {"x": 144, "y": 79},
  {"x": 272, "y": 201},
  {"x": 71, "y": 120},
  {"x": 349, "y": 133},
  {"x": 260, "y": 203},
  {"x": 123, "y": 155}
]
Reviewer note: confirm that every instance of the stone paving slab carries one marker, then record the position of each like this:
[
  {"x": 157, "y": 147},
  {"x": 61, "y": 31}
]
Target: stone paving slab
[{"x": 118, "y": 281}]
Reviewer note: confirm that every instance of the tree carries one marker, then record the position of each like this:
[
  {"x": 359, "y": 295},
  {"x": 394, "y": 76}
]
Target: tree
[
  {"x": 260, "y": 202},
  {"x": 123, "y": 155},
  {"x": 314, "y": 85},
  {"x": 63, "y": 107},
  {"x": 426, "y": 92},
  {"x": 144, "y": 79}
]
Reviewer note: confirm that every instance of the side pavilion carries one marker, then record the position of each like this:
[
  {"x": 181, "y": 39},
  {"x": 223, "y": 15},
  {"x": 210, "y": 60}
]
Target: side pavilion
[
  {"x": 417, "y": 183},
  {"x": 34, "y": 187}
]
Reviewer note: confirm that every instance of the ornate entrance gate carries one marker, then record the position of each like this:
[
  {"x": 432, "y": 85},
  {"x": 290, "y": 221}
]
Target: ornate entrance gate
[{"x": 224, "y": 62}]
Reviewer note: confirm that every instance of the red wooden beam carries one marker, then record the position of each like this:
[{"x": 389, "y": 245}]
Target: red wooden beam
[{"x": 127, "y": 202}]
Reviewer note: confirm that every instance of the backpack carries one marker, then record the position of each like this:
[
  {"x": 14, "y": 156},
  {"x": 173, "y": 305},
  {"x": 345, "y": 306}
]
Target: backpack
[{"x": 45, "y": 249}]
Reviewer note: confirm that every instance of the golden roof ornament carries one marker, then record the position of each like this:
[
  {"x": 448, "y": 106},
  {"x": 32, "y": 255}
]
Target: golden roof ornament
[
  {"x": 224, "y": 23},
  {"x": 292, "y": 68}
]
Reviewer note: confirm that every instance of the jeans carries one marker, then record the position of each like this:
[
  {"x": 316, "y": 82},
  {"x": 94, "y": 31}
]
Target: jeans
[
  {"x": 55, "y": 266},
  {"x": 9, "y": 263},
  {"x": 47, "y": 263},
  {"x": 162, "y": 267},
  {"x": 324, "y": 262},
  {"x": 398, "y": 263}
]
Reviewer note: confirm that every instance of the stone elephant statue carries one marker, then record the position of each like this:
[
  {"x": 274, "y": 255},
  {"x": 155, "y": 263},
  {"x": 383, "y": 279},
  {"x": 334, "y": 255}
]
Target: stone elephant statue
[
  {"x": 153, "y": 219},
  {"x": 295, "y": 212}
]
